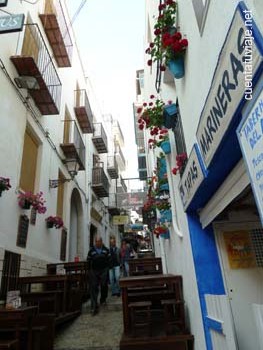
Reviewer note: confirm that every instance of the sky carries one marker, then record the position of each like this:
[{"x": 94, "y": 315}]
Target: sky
[{"x": 110, "y": 37}]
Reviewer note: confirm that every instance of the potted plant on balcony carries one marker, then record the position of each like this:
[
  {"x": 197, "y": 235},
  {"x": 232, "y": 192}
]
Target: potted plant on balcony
[
  {"x": 54, "y": 221},
  {"x": 181, "y": 160},
  {"x": 28, "y": 199},
  {"x": 4, "y": 184},
  {"x": 156, "y": 114},
  {"x": 161, "y": 230},
  {"x": 168, "y": 46}
]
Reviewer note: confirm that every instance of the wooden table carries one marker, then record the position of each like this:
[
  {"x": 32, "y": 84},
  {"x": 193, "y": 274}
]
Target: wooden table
[
  {"x": 173, "y": 283},
  {"x": 59, "y": 281},
  {"x": 16, "y": 318}
]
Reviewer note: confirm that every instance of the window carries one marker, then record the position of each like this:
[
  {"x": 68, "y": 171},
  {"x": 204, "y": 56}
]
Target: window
[
  {"x": 201, "y": 8},
  {"x": 60, "y": 195},
  {"x": 10, "y": 273},
  {"x": 179, "y": 135},
  {"x": 63, "y": 247},
  {"x": 29, "y": 163}
]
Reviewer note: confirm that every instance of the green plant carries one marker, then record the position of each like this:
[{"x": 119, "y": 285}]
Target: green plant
[{"x": 168, "y": 42}]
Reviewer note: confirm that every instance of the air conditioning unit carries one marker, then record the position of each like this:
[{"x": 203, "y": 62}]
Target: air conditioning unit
[{"x": 27, "y": 82}]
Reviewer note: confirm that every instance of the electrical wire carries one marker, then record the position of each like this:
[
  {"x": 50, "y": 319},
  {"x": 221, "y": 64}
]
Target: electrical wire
[
  {"x": 31, "y": 3},
  {"x": 6, "y": 12}
]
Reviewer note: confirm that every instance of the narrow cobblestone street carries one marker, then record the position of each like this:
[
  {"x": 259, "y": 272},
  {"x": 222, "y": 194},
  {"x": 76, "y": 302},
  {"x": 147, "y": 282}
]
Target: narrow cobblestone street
[{"x": 87, "y": 332}]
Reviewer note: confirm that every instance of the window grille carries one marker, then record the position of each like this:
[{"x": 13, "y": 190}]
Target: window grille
[{"x": 10, "y": 273}]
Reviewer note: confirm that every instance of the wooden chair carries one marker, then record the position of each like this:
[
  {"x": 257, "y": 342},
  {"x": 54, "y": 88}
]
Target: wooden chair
[
  {"x": 174, "y": 316},
  {"x": 140, "y": 316}
]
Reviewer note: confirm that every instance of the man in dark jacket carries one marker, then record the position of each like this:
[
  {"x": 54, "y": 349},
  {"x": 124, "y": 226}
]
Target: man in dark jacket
[
  {"x": 99, "y": 257},
  {"x": 115, "y": 267}
]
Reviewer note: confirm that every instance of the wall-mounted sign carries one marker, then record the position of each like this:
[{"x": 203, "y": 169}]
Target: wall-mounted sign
[
  {"x": 3, "y": 3},
  {"x": 193, "y": 175},
  {"x": 11, "y": 23},
  {"x": 250, "y": 135},
  {"x": 239, "y": 250},
  {"x": 120, "y": 219},
  {"x": 238, "y": 62}
]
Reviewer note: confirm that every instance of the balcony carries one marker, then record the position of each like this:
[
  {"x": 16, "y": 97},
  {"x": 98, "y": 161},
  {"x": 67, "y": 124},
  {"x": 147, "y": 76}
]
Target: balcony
[
  {"x": 117, "y": 132},
  {"x": 57, "y": 31},
  {"x": 120, "y": 157},
  {"x": 121, "y": 186},
  {"x": 112, "y": 167},
  {"x": 73, "y": 146},
  {"x": 83, "y": 111},
  {"x": 35, "y": 61},
  {"x": 99, "y": 138},
  {"x": 112, "y": 207},
  {"x": 100, "y": 183}
]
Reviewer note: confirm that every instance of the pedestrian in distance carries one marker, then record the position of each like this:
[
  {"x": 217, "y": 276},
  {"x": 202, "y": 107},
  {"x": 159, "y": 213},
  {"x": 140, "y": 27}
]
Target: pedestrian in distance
[
  {"x": 99, "y": 257},
  {"x": 127, "y": 253},
  {"x": 114, "y": 272}
]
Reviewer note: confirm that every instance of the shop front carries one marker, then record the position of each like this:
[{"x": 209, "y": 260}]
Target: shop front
[{"x": 222, "y": 193}]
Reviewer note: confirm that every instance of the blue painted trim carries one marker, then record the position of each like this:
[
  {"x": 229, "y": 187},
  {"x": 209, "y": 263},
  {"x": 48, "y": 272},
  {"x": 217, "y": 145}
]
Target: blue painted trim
[
  {"x": 200, "y": 159},
  {"x": 207, "y": 267},
  {"x": 214, "y": 324}
]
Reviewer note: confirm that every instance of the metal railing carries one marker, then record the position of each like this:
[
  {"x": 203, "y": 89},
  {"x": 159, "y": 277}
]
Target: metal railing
[
  {"x": 73, "y": 135},
  {"x": 100, "y": 132},
  {"x": 99, "y": 177},
  {"x": 34, "y": 46},
  {"x": 113, "y": 200},
  {"x": 119, "y": 151},
  {"x": 118, "y": 132},
  {"x": 55, "y": 8},
  {"x": 112, "y": 163},
  {"x": 140, "y": 145},
  {"x": 81, "y": 100}
]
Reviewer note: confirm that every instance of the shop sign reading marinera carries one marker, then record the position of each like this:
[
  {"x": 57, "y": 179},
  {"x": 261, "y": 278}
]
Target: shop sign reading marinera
[
  {"x": 250, "y": 135},
  {"x": 193, "y": 175},
  {"x": 232, "y": 78}
]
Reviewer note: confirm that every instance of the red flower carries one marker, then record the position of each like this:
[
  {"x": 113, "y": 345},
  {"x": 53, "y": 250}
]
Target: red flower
[
  {"x": 163, "y": 131},
  {"x": 184, "y": 42},
  {"x": 139, "y": 110},
  {"x": 141, "y": 126},
  {"x": 161, "y": 7},
  {"x": 150, "y": 62},
  {"x": 174, "y": 171},
  {"x": 151, "y": 45},
  {"x": 157, "y": 31},
  {"x": 150, "y": 104},
  {"x": 177, "y": 35},
  {"x": 144, "y": 104},
  {"x": 148, "y": 50},
  {"x": 170, "y": 102},
  {"x": 152, "y": 96},
  {"x": 162, "y": 68},
  {"x": 177, "y": 47}
]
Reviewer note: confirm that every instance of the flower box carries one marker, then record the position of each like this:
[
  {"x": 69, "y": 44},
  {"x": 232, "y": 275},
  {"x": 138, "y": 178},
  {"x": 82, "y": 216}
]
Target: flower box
[
  {"x": 169, "y": 114},
  {"x": 176, "y": 67},
  {"x": 54, "y": 221},
  {"x": 166, "y": 147}
]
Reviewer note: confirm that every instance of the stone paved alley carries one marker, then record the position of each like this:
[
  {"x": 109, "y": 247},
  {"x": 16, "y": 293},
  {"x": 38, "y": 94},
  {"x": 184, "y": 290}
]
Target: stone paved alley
[{"x": 100, "y": 332}]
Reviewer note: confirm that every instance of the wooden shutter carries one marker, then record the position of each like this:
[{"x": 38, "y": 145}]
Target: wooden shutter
[
  {"x": 67, "y": 126},
  {"x": 10, "y": 273},
  {"x": 63, "y": 247},
  {"x": 60, "y": 196},
  {"x": 29, "y": 163},
  {"x": 30, "y": 44}
]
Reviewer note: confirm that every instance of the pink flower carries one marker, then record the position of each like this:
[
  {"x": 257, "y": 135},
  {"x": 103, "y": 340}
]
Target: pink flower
[
  {"x": 149, "y": 62},
  {"x": 152, "y": 96}
]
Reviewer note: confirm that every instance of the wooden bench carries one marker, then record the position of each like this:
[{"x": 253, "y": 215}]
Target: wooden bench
[
  {"x": 174, "y": 315},
  {"x": 9, "y": 344},
  {"x": 47, "y": 301},
  {"x": 140, "y": 313}
]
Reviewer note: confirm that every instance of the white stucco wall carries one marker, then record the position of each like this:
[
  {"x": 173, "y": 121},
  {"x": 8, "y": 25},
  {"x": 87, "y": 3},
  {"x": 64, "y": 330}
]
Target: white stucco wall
[{"x": 191, "y": 91}]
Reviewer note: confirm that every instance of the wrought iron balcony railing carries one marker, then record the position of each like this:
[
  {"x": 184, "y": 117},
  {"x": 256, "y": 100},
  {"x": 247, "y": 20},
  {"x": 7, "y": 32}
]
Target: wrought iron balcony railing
[
  {"x": 100, "y": 138},
  {"x": 100, "y": 183},
  {"x": 35, "y": 61},
  {"x": 112, "y": 205},
  {"x": 83, "y": 111},
  {"x": 73, "y": 146},
  {"x": 112, "y": 167},
  {"x": 57, "y": 31}
]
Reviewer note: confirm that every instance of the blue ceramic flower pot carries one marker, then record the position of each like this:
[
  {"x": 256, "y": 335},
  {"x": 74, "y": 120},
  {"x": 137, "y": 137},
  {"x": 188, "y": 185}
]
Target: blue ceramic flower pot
[
  {"x": 166, "y": 215},
  {"x": 164, "y": 187},
  {"x": 166, "y": 147},
  {"x": 169, "y": 115},
  {"x": 165, "y": 235},
  {"x": 176, "y": 67}
]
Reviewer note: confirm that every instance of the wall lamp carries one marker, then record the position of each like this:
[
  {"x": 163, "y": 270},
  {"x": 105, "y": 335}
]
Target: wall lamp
[{"x": 72, "y": 166}]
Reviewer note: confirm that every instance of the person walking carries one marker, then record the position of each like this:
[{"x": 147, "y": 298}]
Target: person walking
[
  {"x": 125, "y": 257},
  {"x": 115, "y": 268},
  {"x": 99, "y": 257}
]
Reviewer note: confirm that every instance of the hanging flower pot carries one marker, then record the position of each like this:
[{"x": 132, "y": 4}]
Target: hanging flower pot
[
  {"x": 50, "y": 224},
  {"x": 169, "y": 115},
  {"x": 166, "y": 147},
  {"x": 176, "y": 67},
  {"x": 164, "y": 187},
  {"x": 165, "y": 235},
  {"x": 166, "y": 215}
]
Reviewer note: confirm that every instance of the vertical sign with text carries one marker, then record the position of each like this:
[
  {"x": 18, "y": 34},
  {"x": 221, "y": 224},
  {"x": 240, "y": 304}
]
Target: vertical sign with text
[{"x": 250, "y": 135}]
